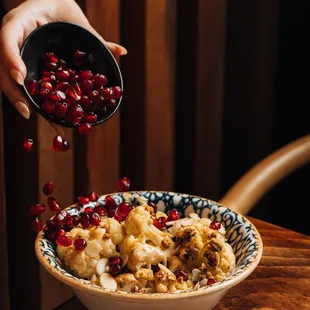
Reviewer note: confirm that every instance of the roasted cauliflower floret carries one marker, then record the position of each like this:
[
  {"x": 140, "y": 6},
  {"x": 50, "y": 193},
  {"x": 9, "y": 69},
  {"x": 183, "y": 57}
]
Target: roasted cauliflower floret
[{"x": 126, "y": 282}]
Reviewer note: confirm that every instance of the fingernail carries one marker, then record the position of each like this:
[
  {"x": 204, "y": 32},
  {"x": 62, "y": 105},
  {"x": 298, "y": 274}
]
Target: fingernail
[
  {"x": 22, "y": 109},
  {"x": 17, "y": 76},
  {"x": 122, "y": 49}
]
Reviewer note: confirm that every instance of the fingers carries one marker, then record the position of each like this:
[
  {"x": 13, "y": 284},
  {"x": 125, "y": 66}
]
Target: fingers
[
  {"x": 11, "y": 36},
  {"x": 14, "y": 94}
]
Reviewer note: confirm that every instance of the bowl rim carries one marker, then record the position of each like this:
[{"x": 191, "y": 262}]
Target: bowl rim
[
  {"x": 113, "y": 61},
  {"x": 73, "y": 283}
]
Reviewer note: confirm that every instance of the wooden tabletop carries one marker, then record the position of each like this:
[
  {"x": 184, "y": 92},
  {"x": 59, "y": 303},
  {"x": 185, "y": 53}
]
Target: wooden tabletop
[{"x": 281, "y": 281}]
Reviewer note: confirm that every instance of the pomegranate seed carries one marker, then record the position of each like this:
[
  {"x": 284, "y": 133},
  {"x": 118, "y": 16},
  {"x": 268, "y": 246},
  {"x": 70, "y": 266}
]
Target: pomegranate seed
[
  {"x": 64, "y": 241},
  {"x": 114, "y": 260},
  {"x": 78, "y": 63},
  {"x": 51, "y": 57},
  {"x": 95, "y": 219},
  {"x": 112, "y": 103},
  {"x": 51, "y": 236},
  {"x": 60, "y": 217},
  {"x": 88, "y": 210},
  {"x": 45, "y": 73},
  {"x": 53, "y": 204},
  {"x": 32, "y": 87},
  {"x": 68, "y": 223},
  {"x": 47, "y": 85},
  {"x": 51, "y": 225},
  {"x": 59, "y": 144},
  {"x": 85, "y": 103},
  {"x": 114, "y": 270},
  {"x": 117, "y": 92},
  {"x": 71, "y": 94},
  {"x": 61, "y": 109},
  {"x": 75, "y": 220},
  {"x": 82, "y": 200},
  {"x": 85, "y": 129},
  {"x": 54, "y": 96},
  {"x": 48, "y": 106},
  {"x": 173, "y": 215},
  {"x": 77, "y": 89},
  {"x": 93, "y": 94},
  {"x": 78, "y": 54},
  {"x": 153, "y": 205},
  {"x": 98, "y": 99},
  {"x": 116, "y": 216},
  {"x": 85, "y": 75},
  {"x": 92, "y": 196},
  {"x": 65, "y": 146},
  {"x": 90, "y": 117},
  {"x": 48, "y": 188},
  {"x": 80, "y": 244},
  {"x": 106, "y": 93},
  {"x": 181, "y": 274},
  {"x": 160, "y": 222},
  {"x": 123, "y": 209},
  {"x": 47, "y": 79},
  {"x": 50, "y": 66},
  {"x": 215, "y": 225},
  {"x": 36, "y": 225},
  {"x": 43, "y": 92},
  {"x": 100, "y": 210},
  {"x": 86, "y": 86},
  {"x": 62, "y": 86},
  {"x": 124, "y": 184},
  {"x": 37, "y": 209},
  {"x": 211, "y": 281},
  {"x": 62, "y": 75},
  {"x": 75, "y": 115},
  {"x": 28, "y": 144},
  {"x": 61, "y": 94},
  {"x": 84, "y": 220},
  {"x": 110, "y": 202},
  {"x": 61, "y": 232},
  {"x": 100, "y": 80}
]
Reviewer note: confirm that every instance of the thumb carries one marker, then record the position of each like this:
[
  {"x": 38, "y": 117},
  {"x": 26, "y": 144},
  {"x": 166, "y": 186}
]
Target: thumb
[{"x": 11, "y": 37}]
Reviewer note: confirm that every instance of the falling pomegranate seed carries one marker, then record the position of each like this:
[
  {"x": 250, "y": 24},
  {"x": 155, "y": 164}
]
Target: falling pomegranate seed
[
  {"x": 32, "y": 87},
  {"x": 53, "y": 204},
  {"x": 85, "y": 129},
  {"x": 36, "y": 225},
  {"x": 82, "y": 200},
  {"x": 75, "y": 220},
  {"x": 215, "y": 225},
  {"x": 51, "y": 57},
  {"x": 211, "y": 281},
  {"x": 60, "y": 145},
  {"x": 61, "y": 109},
  {"x": 95, "y": 219},
  {"x": 100, "y": 80},
  {"x": 92, "y": 196},
  {"x": 124, "y": 184},
  {"x": 173, "y": 215},
  {"x": 100, "y": 210},
  {"x": 50, "y": 66},
  {"x": 85, "y": 75},
  {"x": 153, "y": 205},
  {"x": 123, "y": 209},
  {"x": 84, "y": 220},
  {"x": 48, "y": 106},
  {"x": 48, "y": 188},
  {"x": 37, "y": 209},
  {"x": 181, "y": 274},
  {"x": 78, "y": 55},
  {"x": 64, "y": 241},
  {"x": 88, "y": 210},
  {"x": 80, "y": 244},
  {"x": 117, "y": 92},
  {"x": 90, "y": 117},
  {"x": 65, "y": 146},
  {"x": 28, "y": 145}
]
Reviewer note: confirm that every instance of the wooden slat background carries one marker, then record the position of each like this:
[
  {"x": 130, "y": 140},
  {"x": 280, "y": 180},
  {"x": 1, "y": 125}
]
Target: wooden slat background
[{"x": 197, "y": 112}]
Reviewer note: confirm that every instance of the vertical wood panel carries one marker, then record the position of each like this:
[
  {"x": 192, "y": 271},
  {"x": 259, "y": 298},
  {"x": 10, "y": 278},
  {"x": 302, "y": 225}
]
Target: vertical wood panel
[
  {"x": 103, "y": 143},
  {"x": 4, "y": 279},
  {"x": 210, "y": 64},
  {"x": 58, "y": 168},
  {"x": 159, "y": 99}
]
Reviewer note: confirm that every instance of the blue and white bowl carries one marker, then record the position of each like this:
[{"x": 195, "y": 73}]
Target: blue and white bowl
[{"x": 241, "y": 235}]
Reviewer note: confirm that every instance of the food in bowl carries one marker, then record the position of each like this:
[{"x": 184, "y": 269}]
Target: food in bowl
[{"x": 132, "y": 247}]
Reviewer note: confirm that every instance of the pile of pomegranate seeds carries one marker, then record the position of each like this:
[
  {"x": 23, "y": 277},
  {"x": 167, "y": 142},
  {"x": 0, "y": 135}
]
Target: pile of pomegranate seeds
[
  {"x": 72, "y": 93},
  {"x": 28, "y": 144}
]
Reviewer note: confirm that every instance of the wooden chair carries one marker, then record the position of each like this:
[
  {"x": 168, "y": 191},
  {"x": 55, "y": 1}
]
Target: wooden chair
[{"x": 267, "y": 173}]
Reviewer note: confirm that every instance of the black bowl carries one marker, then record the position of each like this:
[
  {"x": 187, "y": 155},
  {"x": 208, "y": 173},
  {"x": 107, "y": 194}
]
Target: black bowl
[{"x": 63, "y": 39}]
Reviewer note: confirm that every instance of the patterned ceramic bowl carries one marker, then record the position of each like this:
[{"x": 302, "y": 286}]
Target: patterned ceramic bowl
[{"x": 241, "y": 235}]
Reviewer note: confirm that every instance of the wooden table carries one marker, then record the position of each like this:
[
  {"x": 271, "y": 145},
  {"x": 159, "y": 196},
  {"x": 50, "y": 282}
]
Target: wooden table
[{"x": 281, "y": 281}]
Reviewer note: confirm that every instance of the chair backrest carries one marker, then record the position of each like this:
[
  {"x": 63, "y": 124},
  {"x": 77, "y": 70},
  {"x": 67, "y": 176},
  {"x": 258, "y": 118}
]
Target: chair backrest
[{"x": 267, "y": 173}]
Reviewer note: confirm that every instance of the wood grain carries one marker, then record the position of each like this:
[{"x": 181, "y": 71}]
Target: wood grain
[{"x": 280, "y": 281}]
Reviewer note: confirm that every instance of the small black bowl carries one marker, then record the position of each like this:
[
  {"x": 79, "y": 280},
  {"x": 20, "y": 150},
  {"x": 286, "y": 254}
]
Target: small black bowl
[{"x": 63, "y": 39}]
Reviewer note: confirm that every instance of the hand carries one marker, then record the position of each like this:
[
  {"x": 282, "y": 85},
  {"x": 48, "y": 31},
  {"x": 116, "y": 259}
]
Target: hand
[{"x": 17, "y": 25}]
